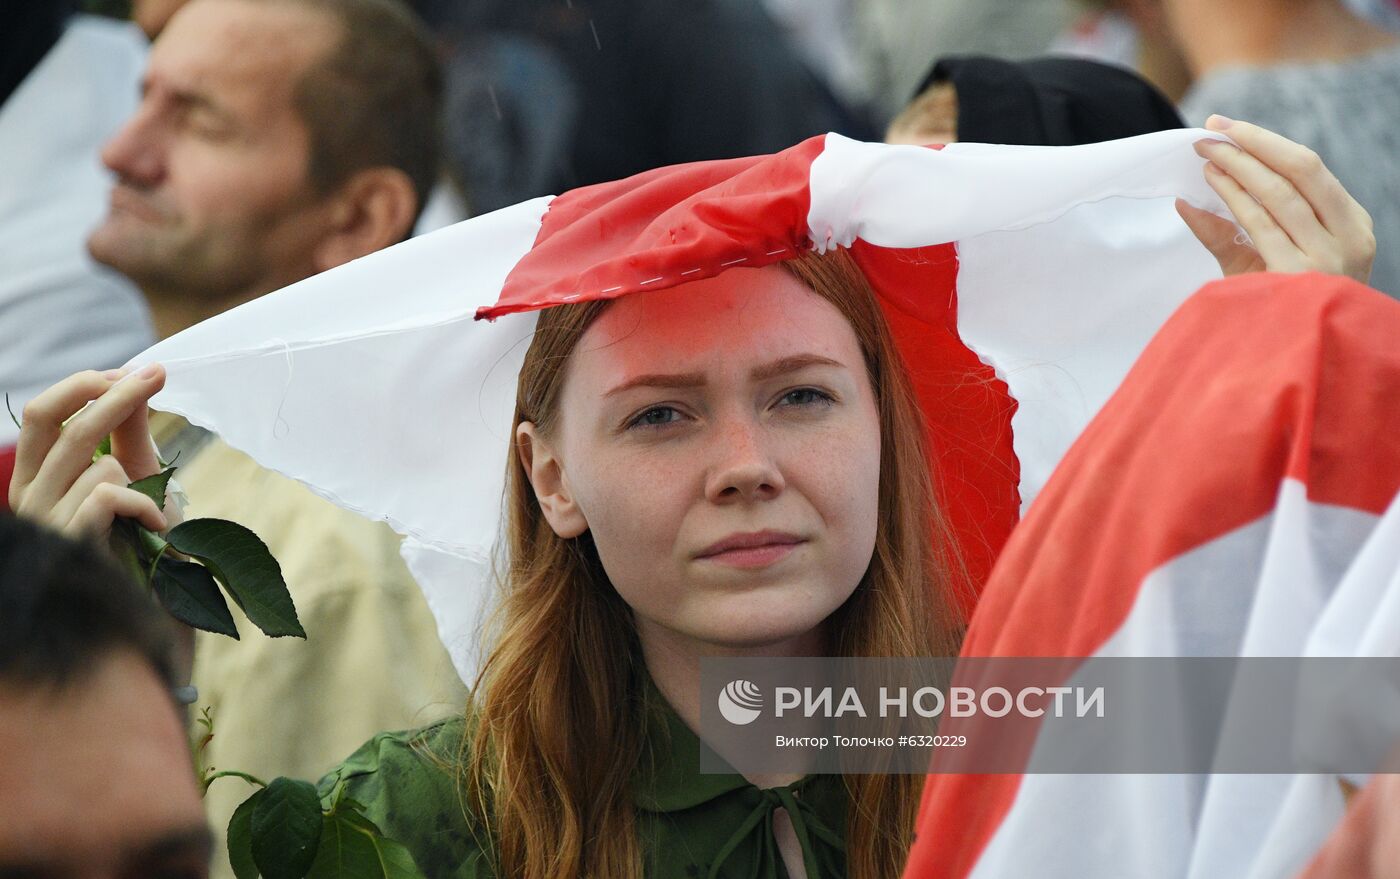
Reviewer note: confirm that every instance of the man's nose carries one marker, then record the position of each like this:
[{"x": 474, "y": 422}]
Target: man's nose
[
  {"x": 136, "y": 152},
  {"x": 745, "y": 468}
]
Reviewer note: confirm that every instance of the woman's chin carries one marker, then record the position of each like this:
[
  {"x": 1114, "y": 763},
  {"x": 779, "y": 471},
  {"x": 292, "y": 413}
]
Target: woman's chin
[{"x": 777, "y": 628}]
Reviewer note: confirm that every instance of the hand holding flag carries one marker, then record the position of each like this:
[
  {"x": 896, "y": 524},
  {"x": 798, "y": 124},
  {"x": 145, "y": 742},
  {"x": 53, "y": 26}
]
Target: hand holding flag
[
  {"x": 56, "y": 480},
  {"x": 1297, "y": 216}
]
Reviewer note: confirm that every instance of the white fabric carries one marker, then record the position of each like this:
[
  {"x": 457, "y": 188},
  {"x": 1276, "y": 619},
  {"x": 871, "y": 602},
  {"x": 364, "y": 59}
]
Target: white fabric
[
  {"x": 59, "y": 311},
  {"x": 1059, "y": 309},
  {"x": 458, "y": 592},
  {"x": 1327, "y": 573},
  {"x": 372, "y": 384},
  {"x": 910, "y": 196},
  {"x": 1062, "y": 327}
]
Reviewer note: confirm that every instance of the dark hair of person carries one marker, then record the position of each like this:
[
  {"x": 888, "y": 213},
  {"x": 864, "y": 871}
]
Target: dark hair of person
[
  {"x": 65, "y": 606},
  {"x": 375, "y": 99}
]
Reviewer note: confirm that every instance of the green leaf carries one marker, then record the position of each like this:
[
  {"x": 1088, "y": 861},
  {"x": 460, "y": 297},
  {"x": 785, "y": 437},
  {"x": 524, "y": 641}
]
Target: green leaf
[
  {"x": 153, "y": 486},
  {"x": 104, "y": 448},
  {"x": 359, "y": 820},
  {"x": 240, "y": 839},
  {"x": 188, "y": 592},
  {"x": 353, "y": 848},
  {"x": 249, "y": 573},
  {"x": 395, "y": 859},
  {"x": 286, "y": 827}
]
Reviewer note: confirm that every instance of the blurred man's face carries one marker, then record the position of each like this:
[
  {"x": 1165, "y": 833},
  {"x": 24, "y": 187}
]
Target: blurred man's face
[
  {"x": 96, "y": 780},
  {"x": 212, "y": 198}
]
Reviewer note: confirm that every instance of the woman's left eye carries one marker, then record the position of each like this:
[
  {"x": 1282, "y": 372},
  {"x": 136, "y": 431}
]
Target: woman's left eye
[
  {"x": 656, "y": 416},
  {"x": 806, "y": 397}
]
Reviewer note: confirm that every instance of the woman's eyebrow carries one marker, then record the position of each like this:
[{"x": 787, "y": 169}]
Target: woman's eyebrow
[
  {"x": 660, "y": 380},
  {"x": 792, "y": 363},
  {"x": 767, "y": 371}
]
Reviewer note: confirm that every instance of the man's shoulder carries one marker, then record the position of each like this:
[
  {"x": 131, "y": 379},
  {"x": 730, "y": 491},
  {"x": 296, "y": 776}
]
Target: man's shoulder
[{"x": 1283, "y": 96}]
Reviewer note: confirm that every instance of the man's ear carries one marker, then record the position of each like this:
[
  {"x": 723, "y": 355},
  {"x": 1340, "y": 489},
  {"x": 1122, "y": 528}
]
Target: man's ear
[
  {"x": 549, "y": 482},
  {"x": 372, "y": 210}
]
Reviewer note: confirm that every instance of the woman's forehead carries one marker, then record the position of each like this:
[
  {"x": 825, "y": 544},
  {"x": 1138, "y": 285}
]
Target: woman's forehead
[{"x": 738, "y": 318}]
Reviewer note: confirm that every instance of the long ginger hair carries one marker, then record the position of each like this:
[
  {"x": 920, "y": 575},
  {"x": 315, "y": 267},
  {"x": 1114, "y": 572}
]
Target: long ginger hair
[{"x": 556, "y": 723}]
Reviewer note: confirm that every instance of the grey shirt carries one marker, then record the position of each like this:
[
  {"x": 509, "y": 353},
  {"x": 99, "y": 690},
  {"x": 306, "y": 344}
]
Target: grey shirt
[{"x": 1349, "y": 112}]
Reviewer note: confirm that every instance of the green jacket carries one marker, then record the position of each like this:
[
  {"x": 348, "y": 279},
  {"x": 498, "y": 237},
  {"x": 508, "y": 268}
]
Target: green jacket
[{"x": 692, "y": 826}]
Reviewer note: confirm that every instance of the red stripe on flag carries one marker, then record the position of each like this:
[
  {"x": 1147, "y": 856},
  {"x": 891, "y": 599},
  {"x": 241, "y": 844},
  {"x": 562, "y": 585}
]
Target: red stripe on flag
[
  {"x": 967, "y": 409},
  {"x": 1254, "y": 380},
  {"x": 665, "y": 227}
]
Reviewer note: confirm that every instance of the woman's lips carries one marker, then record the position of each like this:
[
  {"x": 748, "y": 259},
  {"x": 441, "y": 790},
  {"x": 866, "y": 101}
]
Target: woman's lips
[
  {"x": 756, "y": 550},
  {"x": 754, "y": 557}
]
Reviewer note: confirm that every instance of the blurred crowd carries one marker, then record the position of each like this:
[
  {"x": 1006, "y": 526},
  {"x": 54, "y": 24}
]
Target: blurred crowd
[{"x": 157, "y": 171}]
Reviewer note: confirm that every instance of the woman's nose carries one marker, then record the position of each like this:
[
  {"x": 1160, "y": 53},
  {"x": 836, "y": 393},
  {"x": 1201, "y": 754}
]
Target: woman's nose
[{"x": 745, "y": 468}]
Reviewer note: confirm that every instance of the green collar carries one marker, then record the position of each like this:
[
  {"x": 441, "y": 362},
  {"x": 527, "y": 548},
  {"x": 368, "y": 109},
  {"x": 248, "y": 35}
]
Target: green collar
[{"x": 668, "y": 778}]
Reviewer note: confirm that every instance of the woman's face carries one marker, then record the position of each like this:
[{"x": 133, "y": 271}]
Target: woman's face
[{"x": 721, "y": 442}]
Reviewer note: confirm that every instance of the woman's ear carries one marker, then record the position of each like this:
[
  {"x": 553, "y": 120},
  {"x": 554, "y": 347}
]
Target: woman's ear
[{"x": 551, "y": 486}]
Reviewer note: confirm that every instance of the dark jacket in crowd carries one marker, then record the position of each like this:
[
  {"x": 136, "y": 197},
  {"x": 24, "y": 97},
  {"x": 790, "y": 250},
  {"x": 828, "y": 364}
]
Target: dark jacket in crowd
[{"x": 546, "y": 95}]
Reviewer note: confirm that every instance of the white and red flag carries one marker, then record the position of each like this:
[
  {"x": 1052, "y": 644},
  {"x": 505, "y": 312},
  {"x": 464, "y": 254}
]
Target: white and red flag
[
  {"x": 1021, "y": 283},
  {"x": 1236, "y": 497}
]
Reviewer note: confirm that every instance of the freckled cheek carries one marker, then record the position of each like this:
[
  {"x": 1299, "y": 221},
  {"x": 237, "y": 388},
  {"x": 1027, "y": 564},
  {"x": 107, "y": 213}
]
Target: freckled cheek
[
  {"x": 840, "y": 461},
  {"x": 839, "y": 474},
  {"x": 634, "y": 505}
]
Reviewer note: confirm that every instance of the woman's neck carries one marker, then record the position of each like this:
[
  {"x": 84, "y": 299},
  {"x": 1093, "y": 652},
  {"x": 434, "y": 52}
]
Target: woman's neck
[
  {"x": 1265, "y": 32},
  {"x": 673, "y": 660}
]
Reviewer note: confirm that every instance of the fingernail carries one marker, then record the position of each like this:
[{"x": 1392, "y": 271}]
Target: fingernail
[
  {"x": 149, "y": 371},
  {"x": 1210, "y": 143},
  {"x": 112, "y": 375},
  {"x": 1212, "y": 168},
  {"x": 1219, "y": 123}
]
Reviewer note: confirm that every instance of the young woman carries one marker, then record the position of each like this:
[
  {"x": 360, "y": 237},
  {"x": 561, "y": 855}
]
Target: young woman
[{"x": 730, "y": 467}]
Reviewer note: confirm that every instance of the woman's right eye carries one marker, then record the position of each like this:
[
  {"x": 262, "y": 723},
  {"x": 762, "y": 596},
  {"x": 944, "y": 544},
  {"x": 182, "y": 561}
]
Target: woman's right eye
[{"x": 656, "y": 416}]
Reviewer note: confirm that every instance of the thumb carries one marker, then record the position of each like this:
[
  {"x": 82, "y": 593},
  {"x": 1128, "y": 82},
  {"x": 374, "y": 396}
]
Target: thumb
[{"x": 1221, "y": 238}]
